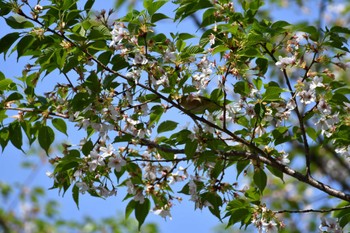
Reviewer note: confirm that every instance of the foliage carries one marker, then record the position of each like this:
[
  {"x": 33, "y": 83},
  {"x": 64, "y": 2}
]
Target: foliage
[
  {"x": 38, "y": 213},
  {"x": 264, "y": 104}
]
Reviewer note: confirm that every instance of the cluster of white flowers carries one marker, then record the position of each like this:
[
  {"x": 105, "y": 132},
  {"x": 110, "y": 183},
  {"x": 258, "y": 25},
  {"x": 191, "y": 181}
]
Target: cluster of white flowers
[
  {"x": 201, "y": 80},
  {"x": 192, "y": 187},
  {"x": 330, "y": 225},
  {"x": 119, "y": 33},
  {"x": 285, "y": 61},
  {"x": 263, "y": 225}
]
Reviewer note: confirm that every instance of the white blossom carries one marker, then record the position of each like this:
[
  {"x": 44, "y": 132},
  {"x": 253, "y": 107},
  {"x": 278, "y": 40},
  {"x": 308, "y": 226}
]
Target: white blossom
[
  {"x": 212, "y": 39},
  {"x": 316, "y": 82},
  {"x": 131, "y": 187},
  {"x": 291, "y": 104},
  {"x": 134, "y": 74},
  {"x": 270, "y": 227},
  {"x": 139, "y": 197},
  {"x": 323, "y": 107},
  {"x": 150, "y": 172},
  {"x": 49, "y": 174},
  {"x": 284, "y": 158},
  {"x": 168, "y": 55},
  {"x": 78, "y": 174},
  {"x": 163, "y": 80},
  {"x": 118, "y": 34},
  {"x": 163, "y": 213},
  {"x": 330, "y": 225},
  {"x": 140, "y": 59},
  {"x": 97, "y": 160},
  {"x": 285, "y": 61},
  {"x": 83, "y": 187},
  {"x": 116, "y": 162},
  {"x": 307, "y": 97},
  {"x": 107, "y": 151}
]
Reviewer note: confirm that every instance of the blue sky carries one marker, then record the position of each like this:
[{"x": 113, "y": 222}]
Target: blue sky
[{"x": 185, "y": 218}]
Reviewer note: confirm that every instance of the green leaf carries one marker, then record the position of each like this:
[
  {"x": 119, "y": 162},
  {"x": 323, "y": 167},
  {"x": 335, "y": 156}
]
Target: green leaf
[
  {"x": 5, "y": 8},
  {"x": 80, "y": 101},
  {"x": 260, "y": 179},
  {"x": 262, "y": 63},
  {"x": 88, "y": 5},
  {"x": 130, "y": 208},
  {"x": 165, "y": 155},
  {"x": 158, "y": 16},
  {"x": 14, "y": 96},
  {"x": 153, "y": 6},
  {"x": 4, "y": 84},
  {"x": 167, "y": 126},
  {"x": 279, "y": 24},
  {"x": 220, "y": 48},
  {"x": 311, "y": 132},
  {"x": 46, "y": 137},
  {"x": 189, "y": 7},
  {"x": 238, "y": 215},
  {"x": 215, "y": 200},
  {"x": 279, "y": 134},
  {"x": 239, "y": 211},
  {"x": 7, "y": 41},
  {"x": 24, "y": 44},
  {"x": 260, "y": 109},
  {"x": 156, "y": 113},
  {"x": 254, "y": 195},
  {"x": 141, "y": 211},
  {"x": 4, "y": 137},
  {"x": 241, "y": 165},
  {"x": 344, "y": 220},
  {"x": 75, "y": 194},
  {"x": 190, "y": 148},
  {"x": 87, "y": 148},
  {"x": 15, "y": 134},
  {"x": 99, "y": 32},
  {"x": 18, "y": 22},
  {"x": 60, "y": 125},
  {"x": 339, "y": 29},
  {"x": 272, "y": 93},
  {"x": 258, "y": 83},
  {"x": 242, "y": 88},
  {"x": 185, "y": 36},
  {"x": 276, "y": 172},
  {"x": 119, "y": 62}
]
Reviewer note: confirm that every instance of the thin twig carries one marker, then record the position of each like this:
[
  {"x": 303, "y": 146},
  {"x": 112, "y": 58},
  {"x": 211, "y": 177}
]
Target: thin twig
[{"x": 312, "y": 210}]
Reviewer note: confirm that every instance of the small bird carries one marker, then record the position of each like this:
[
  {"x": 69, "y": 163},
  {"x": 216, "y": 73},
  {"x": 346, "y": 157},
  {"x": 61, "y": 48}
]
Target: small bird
[{"x": 198, "y": 104}]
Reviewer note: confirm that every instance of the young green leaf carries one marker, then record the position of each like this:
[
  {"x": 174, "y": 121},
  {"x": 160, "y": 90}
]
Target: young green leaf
[
  {"x": 46, "y": 137},
  {"x": 141, "y": 211},
  {"x": 167, "y": 126},
  {"x": 260, "y": 179},
  {"x": 60, "y": 125}
]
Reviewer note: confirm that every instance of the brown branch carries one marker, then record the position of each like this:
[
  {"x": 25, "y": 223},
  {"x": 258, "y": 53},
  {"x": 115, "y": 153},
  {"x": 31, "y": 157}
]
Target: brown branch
[
  {"x": 37, "y": 111},
  {"x": 303, "y": 178},
  {"x": 312, "y": 210}
]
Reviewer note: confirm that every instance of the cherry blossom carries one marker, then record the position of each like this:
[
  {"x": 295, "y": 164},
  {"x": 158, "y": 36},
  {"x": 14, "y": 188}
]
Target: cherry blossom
[
  {"x": 118, "y": 34},
  {"x": 285, "y": 61}
]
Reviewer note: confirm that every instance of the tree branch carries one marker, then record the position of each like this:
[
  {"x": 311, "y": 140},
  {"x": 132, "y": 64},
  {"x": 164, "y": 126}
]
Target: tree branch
[{"x": 311, "y": 210}]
